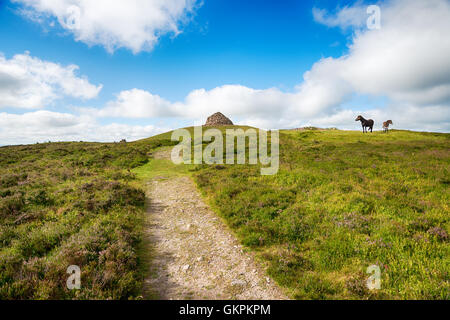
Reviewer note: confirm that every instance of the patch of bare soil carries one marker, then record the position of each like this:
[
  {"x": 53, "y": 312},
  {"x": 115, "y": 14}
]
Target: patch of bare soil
[
  {"x": 194, "y": 254},
  {"x": 163, "y": 153}
]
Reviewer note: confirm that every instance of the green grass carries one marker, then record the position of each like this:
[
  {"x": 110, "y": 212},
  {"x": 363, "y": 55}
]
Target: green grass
[
  {"x": 65, "y": 204},
  {"x": 160, "y": 168},
  {"x": 341, "y": 201}
]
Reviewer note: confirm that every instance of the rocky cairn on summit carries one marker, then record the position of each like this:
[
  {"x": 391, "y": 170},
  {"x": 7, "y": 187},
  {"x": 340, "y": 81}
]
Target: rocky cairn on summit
[{"x": 218, "y": 119}]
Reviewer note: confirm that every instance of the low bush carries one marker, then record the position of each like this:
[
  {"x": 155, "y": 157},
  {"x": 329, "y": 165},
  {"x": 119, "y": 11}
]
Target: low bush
[{"x": 64, "y": 204}]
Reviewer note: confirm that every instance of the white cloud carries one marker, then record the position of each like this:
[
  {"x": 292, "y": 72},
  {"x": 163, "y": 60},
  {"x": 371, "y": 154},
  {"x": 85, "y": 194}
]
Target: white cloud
[
  {"x": 132, "y": 24},
  {"x": 28, "y": 82},
  {"x": 136, "y": 103},
  {"x": 406, "y": 60},
  {"x": 235, "y": 100},
  {"x": 42, "y": 126}
]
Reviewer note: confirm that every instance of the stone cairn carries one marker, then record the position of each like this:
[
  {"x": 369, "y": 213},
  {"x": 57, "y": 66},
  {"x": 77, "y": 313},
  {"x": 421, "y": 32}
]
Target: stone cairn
[{"x": 218, "y": 119}]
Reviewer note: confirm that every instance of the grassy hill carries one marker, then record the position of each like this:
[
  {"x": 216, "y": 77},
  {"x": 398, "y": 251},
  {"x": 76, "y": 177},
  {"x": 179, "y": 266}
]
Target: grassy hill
[
  {"x": 65, "y": 204},
  {"x": 343, "y": 201},
  {"x": 340, "y": 202}
]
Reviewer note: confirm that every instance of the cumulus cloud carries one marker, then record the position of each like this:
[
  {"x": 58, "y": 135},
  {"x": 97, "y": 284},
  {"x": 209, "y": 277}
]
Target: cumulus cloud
[
  {"x": 132, "y": 24},
  {"x": 28, "y": 82},
  {"x": 406, "y": 61},
  {"x": 43, "y": 126},
  {"x": 235, "y": 100},
  {"x": 136, "y": 103}
]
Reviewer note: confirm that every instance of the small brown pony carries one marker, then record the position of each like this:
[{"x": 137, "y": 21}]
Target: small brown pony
[
  {"x": 365, "y": 123},
  {"x": 386, "y": 125}
]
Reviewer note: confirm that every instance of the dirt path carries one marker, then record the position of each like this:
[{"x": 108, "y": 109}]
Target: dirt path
[{"x": 194, "y": 255}]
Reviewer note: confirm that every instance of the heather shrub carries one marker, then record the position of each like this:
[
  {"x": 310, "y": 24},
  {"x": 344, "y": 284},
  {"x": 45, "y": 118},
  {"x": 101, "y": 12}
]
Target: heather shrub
[
  {"x": 71, "y": 204},
  {"x": 340, "y": 203}
]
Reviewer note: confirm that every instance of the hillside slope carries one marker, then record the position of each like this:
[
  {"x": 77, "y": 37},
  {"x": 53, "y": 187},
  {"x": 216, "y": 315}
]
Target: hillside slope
[
  {"x": 71, "y": 203},
  {"x": 341, "y": 201}
]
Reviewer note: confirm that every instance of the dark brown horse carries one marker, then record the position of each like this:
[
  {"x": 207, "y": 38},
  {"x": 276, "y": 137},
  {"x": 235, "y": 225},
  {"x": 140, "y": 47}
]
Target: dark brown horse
[
  {"x": 386, "y": 125},
  {"x": 365, "y": 123}
]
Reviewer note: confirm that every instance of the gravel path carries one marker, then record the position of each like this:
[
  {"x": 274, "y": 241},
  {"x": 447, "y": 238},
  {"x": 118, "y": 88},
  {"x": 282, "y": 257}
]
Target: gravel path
[{"x": 194, "y": 255}]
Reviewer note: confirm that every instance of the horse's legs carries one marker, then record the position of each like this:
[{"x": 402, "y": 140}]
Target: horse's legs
[{"x": 371, "y": 129}]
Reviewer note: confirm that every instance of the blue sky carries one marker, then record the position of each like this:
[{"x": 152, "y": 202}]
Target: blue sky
[{"x": 257, "y": 45}]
